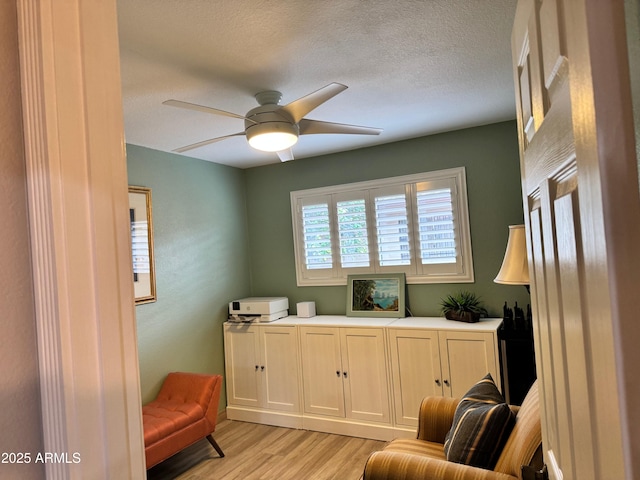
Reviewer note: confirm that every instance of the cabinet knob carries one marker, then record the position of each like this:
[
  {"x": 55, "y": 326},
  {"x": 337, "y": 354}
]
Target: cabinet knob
[
  {"x": 338, "y": 373},
  {"x": 262, "y": 368},
  {"x": 446, "y": 382},
  {"x": 345, "y": 374},
  {"x": 438, "y": 381},
  {"x": 257, "y": 367}
]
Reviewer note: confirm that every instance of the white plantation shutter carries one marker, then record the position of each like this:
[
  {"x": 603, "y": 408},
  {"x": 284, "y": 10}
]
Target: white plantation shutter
[
  {"x": 392, "y": 226},
  {"x": 313, "y": 238},
  {"x": 317, "y": 236},
  {"x": 436, "y": 226},
  {"x": 140, "y": 246},
  {"x": 416, "y": 224},
  {"x": 353, "y": 235},
  {"x": 441, "y": 243}
]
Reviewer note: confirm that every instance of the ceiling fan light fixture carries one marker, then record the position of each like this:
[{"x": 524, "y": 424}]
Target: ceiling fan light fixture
[{"x": 272, "y": 136}]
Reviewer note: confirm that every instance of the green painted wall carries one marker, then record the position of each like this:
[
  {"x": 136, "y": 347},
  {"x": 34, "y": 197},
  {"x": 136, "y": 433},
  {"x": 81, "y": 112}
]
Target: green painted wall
[
  {"x": 632, "y": 16},
  {"x": 222, "y": 233},
  {"x": 490, "y": 155},
  {"x": 200, "y": 242}
]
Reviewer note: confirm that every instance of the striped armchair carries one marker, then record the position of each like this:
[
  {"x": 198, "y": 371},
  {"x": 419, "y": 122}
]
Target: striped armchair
[{"x": 423, "y": 458}]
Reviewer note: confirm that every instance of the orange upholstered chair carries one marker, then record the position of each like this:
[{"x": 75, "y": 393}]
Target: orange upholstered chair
[{"x": 184, "y": 412}]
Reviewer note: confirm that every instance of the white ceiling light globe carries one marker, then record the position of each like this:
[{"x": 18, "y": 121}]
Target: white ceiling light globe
[{"x": 272, "y": 136}]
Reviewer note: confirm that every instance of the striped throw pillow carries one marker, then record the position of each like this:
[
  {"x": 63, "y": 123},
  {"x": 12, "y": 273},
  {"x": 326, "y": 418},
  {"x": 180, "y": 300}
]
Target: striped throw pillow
[{"x": 481, "y": 426}]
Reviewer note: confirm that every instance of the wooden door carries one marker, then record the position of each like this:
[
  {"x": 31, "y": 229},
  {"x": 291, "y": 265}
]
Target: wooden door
[
  {"x": 281, "y": 375},
  {"x": 242, "y": 347},
  {"x": 467, "y": 357},
  {"x": 582, "y": 215},
  {"x": 364, "y": 372},
  {"x": 322, "y": 371},
  {"x": 415, "y": 371}
]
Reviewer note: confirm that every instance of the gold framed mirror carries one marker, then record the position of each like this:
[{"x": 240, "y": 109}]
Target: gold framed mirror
[{"x": 141, "y": 222}]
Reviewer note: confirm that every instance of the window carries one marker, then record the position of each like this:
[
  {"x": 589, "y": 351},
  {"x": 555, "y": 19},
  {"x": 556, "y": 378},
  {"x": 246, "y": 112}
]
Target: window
[
  {"x": 416, "y": 224},
  {"x": 352, "y": 233}
]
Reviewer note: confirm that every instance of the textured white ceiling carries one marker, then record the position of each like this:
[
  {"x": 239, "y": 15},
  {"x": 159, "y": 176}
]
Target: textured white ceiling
[{"x": 413, "y": 67}]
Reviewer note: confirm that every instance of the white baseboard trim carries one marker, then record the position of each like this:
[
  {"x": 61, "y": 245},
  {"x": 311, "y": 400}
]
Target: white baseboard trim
[
  {"x": 406, "y": 432},
  {"x": 277, "y": 419},
  {"x": 349, "y": 427},
  {"x": 318, "y": 423},
  {"x": 222, "y": 416}
]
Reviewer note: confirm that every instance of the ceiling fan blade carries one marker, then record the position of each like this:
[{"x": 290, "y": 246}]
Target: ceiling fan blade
[
  {"x": 285, "y": 155},
  {"x": 300, "y": 107},
  {"x": 206, "y": 142},
  {"x": 315, "y": 126},
  {"x": 202, "y": 108}
]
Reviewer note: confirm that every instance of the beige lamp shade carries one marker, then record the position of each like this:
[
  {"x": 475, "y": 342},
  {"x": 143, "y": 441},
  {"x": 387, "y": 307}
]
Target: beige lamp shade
[{"x": 515, "y": 266}]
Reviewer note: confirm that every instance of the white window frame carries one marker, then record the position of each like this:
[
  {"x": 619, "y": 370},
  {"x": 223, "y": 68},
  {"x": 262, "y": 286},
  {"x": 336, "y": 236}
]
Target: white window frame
[{"x": 416, "y": 273}]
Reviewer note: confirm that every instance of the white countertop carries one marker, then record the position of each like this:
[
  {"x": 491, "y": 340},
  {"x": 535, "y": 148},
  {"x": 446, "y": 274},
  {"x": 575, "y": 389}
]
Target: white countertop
[
  {"x": 442, "y": 323},
  {"x": 436, "y": 323},
  {"x": 337, "y": 321}
]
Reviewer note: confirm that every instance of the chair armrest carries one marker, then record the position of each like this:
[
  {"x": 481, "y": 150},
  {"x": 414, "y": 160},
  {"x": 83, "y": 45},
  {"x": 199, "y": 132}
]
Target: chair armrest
[
  {"x": 435, "y": 418},
  {"x": 405, "y": 466}
]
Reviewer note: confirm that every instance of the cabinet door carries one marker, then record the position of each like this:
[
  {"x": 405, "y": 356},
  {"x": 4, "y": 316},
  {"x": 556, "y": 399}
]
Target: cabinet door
[
  {"x": 364, "y": 372},
  {"x": 242, "y": 365},
  {"x": 466, "y": 357},
  {"x": 415, "y": 369},
  {"x": 280, "y": 375},
  {"x": 322, "y": 371}
]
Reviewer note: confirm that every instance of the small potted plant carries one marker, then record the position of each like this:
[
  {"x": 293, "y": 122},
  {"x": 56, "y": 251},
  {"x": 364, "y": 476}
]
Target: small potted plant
[{"x": 463, "y": 307}]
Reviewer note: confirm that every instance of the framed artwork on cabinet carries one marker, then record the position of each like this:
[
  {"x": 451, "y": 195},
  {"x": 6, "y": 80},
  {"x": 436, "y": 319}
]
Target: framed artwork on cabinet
[
  {"x": 376, "y": 295},
  {"x": 141, "y": 223}
]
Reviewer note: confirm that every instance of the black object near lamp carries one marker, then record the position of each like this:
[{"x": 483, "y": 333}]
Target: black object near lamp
[{"x": 517, "y": 356}]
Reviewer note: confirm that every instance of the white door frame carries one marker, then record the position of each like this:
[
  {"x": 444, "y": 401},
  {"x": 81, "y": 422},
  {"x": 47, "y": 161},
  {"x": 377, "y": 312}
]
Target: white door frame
[{"x": 78, "y": 209}]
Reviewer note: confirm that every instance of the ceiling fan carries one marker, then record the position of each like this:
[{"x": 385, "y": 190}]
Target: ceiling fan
[{"x": 275, "y": 128}]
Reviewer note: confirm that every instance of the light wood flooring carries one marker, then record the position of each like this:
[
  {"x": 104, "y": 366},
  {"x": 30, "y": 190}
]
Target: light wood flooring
[{"x": 262, "y": 452}]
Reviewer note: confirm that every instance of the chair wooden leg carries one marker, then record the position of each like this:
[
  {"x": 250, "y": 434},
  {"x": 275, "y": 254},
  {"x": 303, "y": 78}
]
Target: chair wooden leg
[{"x": 215, "y": 445}]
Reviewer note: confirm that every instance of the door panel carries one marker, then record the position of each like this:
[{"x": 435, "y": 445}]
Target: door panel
[
  {"x": 555, "y": 231},
  {"x": 415, "y": 367},
  {"x": 575, "y": 323},
  {"x": 466, "y": 358},
  {"x": 322, "y": 371},
  {"x": 582, "y": 214},
  {"x": 242, "y": 347},
  {"x": 280, "y": 376},
  {"x": 365, "y": 374},
  {"x": 542, "y": 333}
]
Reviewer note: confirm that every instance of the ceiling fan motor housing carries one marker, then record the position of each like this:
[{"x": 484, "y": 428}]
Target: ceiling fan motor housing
[{"x": 272, "y": 131}]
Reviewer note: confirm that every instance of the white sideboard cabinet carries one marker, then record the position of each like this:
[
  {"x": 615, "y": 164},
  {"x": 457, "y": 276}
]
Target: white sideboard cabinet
[
  {"x": 345, "y": 373},
  {"x": 431, "y": 356},
  {"x": 353, "y": 376},
  {"x": 263, "y": 373}
]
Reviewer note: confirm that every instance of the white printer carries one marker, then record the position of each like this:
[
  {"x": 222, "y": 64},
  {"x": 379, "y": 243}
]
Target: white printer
[{"x": 258, "y": 309}]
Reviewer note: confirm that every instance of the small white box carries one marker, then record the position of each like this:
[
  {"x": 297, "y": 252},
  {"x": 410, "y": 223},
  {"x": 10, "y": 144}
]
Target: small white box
[{"x": 306, "y": 309}]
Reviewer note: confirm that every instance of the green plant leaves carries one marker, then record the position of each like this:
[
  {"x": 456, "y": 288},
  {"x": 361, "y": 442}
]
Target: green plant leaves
[{"x": 461, "y": 302}]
